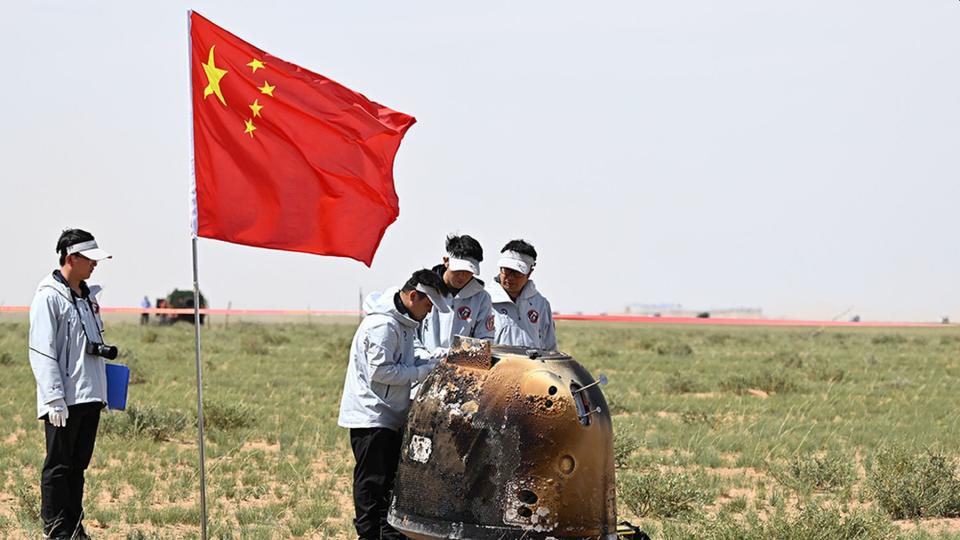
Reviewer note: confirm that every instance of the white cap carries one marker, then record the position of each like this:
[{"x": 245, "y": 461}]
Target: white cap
[
  {"x": 466, "y": 263},
  {"x": 515, "y": 260},
  {"x": 435, "y": 297},
  {"x": 90, "y": 250}
]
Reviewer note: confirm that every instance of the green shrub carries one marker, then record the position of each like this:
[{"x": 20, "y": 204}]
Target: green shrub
[
  {"x": 228, "y": 415},
  {"x": 787, "y": 359},
  {"x": 737, "y": 505},
  {"x": 662, "y": 494},
  {"x": 625, "y": 443},
  {"x": 830, "y": 472},
  {"x": 28, "y": 501},
  {"x": 888, "y": 339},
  {"x": 770, "y": 382},
  {"x": 908, "y": 485},
  {"x": 673, "y": 349},
  {"x": 678, "y": 383},
  {"x": 716, "y": 339},
  {"x": 691, "y": 417},
  {"x": 813, "y": 522},
  {"x": 828, "y": 375},
  {"x": 156, "y": 423},
  {"x": 6, "y": 359}
]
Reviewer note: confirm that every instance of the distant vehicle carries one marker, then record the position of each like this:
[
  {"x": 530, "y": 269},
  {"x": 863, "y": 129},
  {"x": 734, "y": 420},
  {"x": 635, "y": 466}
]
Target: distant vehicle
[{"x": 182, "y": 299}]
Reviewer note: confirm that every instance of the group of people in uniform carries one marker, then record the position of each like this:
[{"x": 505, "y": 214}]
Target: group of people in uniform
[{"x": 406, "y": 331}]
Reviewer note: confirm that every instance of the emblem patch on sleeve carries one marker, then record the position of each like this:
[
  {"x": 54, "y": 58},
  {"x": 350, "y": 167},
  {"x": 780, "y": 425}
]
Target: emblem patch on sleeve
[
  {"x": 533, "y": 316},
  {"x": 490, "y": 323}
]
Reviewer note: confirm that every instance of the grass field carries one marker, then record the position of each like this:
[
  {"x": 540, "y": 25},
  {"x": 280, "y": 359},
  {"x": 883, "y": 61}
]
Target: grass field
[{"x": 722, "y": 433}]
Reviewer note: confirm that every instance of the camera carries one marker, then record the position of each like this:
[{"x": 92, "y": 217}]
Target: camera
[{"x": 102, "y": 349}]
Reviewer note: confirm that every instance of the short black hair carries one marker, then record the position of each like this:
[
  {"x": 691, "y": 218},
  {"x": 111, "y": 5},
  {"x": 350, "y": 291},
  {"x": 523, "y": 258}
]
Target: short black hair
[
  {"x": 68, "y": 238},
  {"x": 464, "y": 247},
  {"x": 428, "y": 278},
  {"x": 520, "y": 246}
]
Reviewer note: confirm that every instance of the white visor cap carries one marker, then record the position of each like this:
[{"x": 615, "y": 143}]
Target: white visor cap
[
  {"x": 435, "y": 297},
  {"x": 516, "y": 261},
  {"x": 457, "y": 265},
  {"x": 90, "y": 250}
]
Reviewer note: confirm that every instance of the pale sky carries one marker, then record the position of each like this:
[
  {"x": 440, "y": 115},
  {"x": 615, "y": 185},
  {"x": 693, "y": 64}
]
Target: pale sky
[{"x": 799, "y": 157}]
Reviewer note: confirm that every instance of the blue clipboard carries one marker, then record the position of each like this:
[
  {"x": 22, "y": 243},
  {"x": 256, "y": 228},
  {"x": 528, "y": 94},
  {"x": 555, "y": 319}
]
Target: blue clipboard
[{"x": 118, "y": 378}]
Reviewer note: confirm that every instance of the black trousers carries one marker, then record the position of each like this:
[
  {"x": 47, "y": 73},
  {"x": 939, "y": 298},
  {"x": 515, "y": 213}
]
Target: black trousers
[
  {"x": 377, "y": 451},
  {"x": 69, "y": 450}
]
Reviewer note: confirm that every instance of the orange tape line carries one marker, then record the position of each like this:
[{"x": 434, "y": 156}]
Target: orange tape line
[{"x": 556, "y": 316}]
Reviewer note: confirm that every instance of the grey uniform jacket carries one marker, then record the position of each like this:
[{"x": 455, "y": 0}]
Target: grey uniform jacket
[
  {"x": 57, "y": 343},
  {"x": 376, "y": 389},
  {"x": 471, "y": 315},
  {"x": 528, "y": 322}
]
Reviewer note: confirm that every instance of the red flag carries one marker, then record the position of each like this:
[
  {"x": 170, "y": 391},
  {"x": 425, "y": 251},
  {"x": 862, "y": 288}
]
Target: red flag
[{"x": 286, "y": 158}]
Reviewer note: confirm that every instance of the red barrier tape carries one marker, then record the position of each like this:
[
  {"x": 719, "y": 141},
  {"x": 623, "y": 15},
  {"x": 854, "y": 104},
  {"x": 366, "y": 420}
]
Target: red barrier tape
[
  {"x": 556, "y": 316},
  {"x": 742, "y": 322}
]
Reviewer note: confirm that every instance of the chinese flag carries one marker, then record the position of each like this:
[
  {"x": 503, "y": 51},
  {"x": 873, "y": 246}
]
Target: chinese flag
[{"x": 286, "y": 158}]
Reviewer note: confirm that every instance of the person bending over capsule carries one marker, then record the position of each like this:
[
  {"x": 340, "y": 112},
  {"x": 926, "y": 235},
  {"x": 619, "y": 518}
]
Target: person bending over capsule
[
  {"x": 470, "y": 313},
  {"x": 376, "y": 392}
]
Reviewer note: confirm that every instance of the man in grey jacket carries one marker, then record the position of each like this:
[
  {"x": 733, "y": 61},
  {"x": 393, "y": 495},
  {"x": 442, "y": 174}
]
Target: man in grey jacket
[
  {"x": 66, "y": 353},
  {"x": 470, "y": 314},
  {"x": 376, "y": 392},
  {"x": 523, "y": 317}
]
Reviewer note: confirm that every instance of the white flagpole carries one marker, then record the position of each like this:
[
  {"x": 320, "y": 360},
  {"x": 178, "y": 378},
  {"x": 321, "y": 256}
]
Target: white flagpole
[{"x": 196, "y": 297}]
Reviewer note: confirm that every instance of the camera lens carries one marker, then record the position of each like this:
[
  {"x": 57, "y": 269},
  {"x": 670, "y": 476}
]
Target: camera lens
[{"x": 109, "y": 352}]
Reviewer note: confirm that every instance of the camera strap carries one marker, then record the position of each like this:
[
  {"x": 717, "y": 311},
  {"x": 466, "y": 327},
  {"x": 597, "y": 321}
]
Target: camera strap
[{"x": 84, "y": 306}]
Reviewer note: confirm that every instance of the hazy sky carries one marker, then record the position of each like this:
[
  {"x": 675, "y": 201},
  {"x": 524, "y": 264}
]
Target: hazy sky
[{"x": 800, "y": 157}]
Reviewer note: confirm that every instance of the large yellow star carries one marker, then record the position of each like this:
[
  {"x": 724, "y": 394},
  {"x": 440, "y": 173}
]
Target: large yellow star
[
  {"x": 266, "y": 89},
  {"x": 214, "y": 74},
  {"x": 255, "y": 107},
  {"x": 250, "y": 127},
  {"x": 255, "y": 65}
]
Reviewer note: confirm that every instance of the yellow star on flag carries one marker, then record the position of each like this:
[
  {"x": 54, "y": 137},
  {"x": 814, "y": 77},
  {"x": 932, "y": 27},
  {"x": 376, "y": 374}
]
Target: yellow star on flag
[
  {"x": 214, "y": 74},
  {"x": 255, "y": 107},
  {"x": 266, "y": 89},
  {"x": 250, "y": 127},
  {"x": 255, "y": 65}
]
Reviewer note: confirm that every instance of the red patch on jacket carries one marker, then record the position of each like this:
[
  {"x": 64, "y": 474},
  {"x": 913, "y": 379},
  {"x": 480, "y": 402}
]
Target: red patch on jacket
[
  {"x": 490, "y": 323},
  {"x": 533, "y": 316},
  {"x": 464, "y": 312}
]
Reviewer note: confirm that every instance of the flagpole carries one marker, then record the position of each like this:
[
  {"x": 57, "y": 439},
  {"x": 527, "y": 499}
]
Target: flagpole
[
  {"x": 196, "y": 331},
  {"x": 196, "y": 297}
]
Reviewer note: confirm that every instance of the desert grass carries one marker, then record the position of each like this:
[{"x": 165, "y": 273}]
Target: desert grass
[{"x": 720, "y": 432}]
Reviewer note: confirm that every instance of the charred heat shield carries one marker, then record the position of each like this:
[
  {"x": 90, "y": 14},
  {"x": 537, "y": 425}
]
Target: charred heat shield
[{"x": 506, "y": 443}]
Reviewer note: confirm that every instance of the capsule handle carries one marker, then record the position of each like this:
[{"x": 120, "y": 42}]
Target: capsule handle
[
  {"x": 588, "y": 413},
  {"x": 601, "y": 381}
]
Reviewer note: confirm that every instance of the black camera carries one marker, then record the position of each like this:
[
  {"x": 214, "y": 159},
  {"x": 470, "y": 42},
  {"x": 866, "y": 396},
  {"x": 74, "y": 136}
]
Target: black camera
[{"x": 102, "y": 349}]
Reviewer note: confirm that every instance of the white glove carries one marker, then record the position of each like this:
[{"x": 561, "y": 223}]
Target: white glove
[
  {"x": 424, "y": 370},
  {"x": 57, "y": 412}
]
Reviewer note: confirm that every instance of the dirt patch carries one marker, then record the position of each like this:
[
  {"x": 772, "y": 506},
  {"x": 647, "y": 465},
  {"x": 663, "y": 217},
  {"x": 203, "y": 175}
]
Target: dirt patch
[
  {"x": 950, "y": 525},
  {"x": 262, "y": 446},
  {"x": 14, "y": 437},
  {"x": 343, "y": 485},
  {"x": 737, "y": 472}
]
